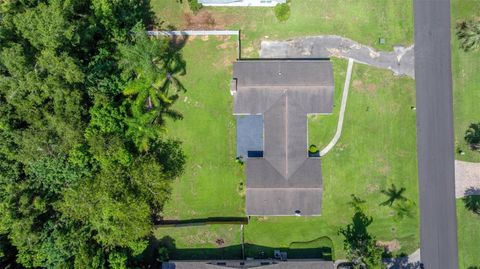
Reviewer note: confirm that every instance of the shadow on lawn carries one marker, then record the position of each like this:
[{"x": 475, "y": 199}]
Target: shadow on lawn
[
  {"x": 234, "y": 252},
  {"x": 200, "y": 222}
]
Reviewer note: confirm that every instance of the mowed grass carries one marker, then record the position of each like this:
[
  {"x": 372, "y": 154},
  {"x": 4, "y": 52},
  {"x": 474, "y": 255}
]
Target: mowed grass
[
  {"x": 322, "y": 128},
  {"x": 466, "y": 81},
  {"x": 212, "y": 178},
  {"x": 468, "y": 237},
  {"x": 201, "y": 242},
  {"x": 377, "y": 148},
  {"x": 362, "y": 20}
]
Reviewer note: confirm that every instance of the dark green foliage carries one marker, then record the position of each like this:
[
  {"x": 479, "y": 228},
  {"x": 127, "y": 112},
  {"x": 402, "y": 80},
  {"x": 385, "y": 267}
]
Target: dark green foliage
[
  {"x": 162, "y": 254},
  {"x": 468, "y": 34},
  {"x": 472, "y": 136},
  {"x": 472, "y": 203},
  {"x": 282, "y": 12},
  {"x": 359, "y": 245},
  {"x": 393, "y": 194},
  {"x": 84, "y": 168},
  {"x": 404, "y": 209},
  {"x": 313, "y": 149},
  {"x": 194, "y": 5}
]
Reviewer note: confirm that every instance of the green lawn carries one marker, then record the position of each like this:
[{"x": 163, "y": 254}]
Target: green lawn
[
  {"x": 466, "y": 80},
  {"x": 362, "y": 20},
  {"x": 466, "y": 92},
  {"x": 210, "y": 185},
  {"x": 201, "y": 242},
  {"x": 468, "y": 237},
  {"x": 377, "y": 148}
]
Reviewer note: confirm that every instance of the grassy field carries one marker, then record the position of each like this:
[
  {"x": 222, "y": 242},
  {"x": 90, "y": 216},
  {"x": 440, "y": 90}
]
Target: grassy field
[
  {"x": 468, "y": 237},
  {"x": 209, "y": 187},
  {"x": 200, "y": 242},
  {"x": 466, "y": 92},
  {"x": 377, "y": 148},
  {"x": 466, "y": 80},
  {"x": 362, "y": 20}
]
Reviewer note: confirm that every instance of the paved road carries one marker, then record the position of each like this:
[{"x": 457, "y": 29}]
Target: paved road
[
  {"x": 400, "y": 60},
  {"x": 438, "y": 227}
]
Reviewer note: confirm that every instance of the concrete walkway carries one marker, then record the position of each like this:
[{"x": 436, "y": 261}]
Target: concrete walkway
[
  {"x": 400, "y": 60},
  {"x": 338, "y": 133},
  {"x": 467, "y": 179}
]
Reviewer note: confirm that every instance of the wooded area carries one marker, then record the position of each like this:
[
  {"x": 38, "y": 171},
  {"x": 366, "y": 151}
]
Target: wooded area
[{"x": 85, "y": 165}]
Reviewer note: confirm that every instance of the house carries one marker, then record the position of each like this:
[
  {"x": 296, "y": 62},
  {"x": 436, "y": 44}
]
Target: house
[
  {"x": 246, "y": 3},
  {"x": 272, "y": 99},
  {"x": 243, "y": 264}
]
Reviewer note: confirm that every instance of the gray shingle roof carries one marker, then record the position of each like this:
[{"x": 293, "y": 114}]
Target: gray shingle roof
[{"x": 284, "y": 92}]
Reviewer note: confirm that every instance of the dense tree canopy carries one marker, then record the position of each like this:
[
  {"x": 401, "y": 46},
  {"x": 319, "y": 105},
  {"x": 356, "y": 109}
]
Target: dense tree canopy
[{"x": 85, "y": 166}]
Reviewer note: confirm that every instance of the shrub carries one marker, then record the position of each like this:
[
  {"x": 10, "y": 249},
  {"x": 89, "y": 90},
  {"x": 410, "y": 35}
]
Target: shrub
[
  {"x": 468, "y": 34},
  {"x": 313, "y": 149},
  {"x": 282, "y": 12},
  {"x": 195, "y": 6},
  {"x": 162, "y": 254},
  {"x": 472, "y": 136}
]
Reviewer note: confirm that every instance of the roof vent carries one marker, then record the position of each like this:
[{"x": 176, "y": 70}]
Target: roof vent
[{"x": 233, "y": 86}]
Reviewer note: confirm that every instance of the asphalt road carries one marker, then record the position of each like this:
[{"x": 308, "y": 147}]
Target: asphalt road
[{"x": 433, "y": 76}]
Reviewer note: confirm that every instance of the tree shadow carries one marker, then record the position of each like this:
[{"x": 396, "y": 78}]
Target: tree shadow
[
  {"x": 234, "y": 252},
  {"x": 403, "y": 263},
  {"x": 472, "y": 200},
  {"x": 472, "y": 191}
]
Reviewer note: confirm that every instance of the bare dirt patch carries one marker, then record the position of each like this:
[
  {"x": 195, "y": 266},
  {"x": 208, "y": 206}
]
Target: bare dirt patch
[
  {"x": 363, "y": 87},
  {"x": 203, "y": 20},
  {"x": 357, "y": 84},
  {"x": 225, "y": 45},
  {"x": 391, "y": 246},
  {"x": 371, "y": 87},
  {"x": 371, "y": 188}
]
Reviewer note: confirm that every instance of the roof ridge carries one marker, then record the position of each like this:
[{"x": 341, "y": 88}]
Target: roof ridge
[{"x": 284, "y": 174}]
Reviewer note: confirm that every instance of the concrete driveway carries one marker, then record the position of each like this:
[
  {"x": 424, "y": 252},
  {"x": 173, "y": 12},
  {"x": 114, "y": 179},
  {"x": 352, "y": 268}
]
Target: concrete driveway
[{"x": 400, "y": 60}]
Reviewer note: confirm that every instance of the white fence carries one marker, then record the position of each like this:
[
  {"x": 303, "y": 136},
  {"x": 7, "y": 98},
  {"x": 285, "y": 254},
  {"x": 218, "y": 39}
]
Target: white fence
[{"x": 195, "y": 33}]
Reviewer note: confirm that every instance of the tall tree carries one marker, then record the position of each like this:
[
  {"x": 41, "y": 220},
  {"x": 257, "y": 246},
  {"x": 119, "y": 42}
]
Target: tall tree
[
  {"x": 78, "y": 187},
  {"x": 472, "y": 203},
  {"x": 150, "y": 66},
  {"x": 359, "y": 244}
]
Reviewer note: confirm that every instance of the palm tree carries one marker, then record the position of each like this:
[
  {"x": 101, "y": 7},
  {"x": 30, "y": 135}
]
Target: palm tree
[
  {"x": 472, "y": 203},
  {"x": 151, "y": 66},
  {"x": 468, "y": 33},
  {"x": 393, "y": 195},
  {"x": 472, "y": 136},
  {"x": 404, "y": 209}
]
